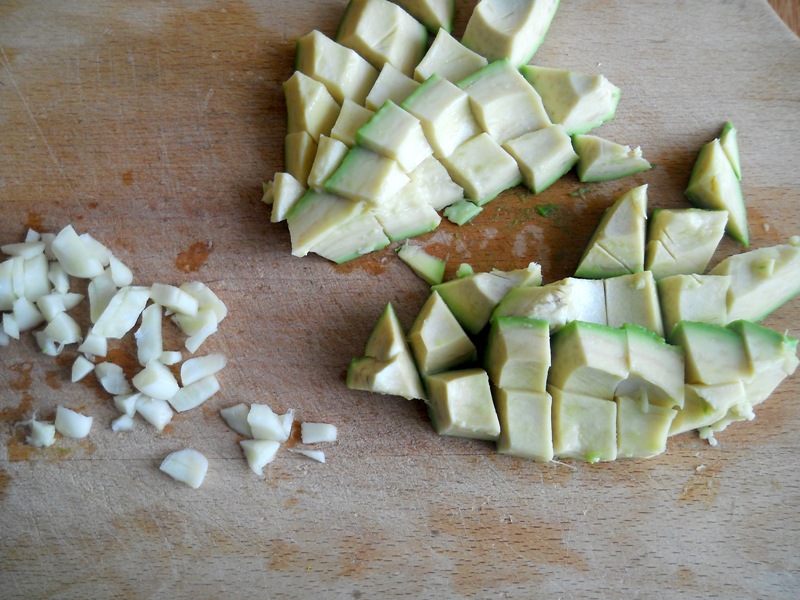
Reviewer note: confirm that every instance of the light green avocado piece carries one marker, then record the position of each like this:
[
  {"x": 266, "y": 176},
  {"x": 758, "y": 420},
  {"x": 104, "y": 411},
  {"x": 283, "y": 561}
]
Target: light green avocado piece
[
  {"x": 382, "y": 32},
  {"x": 330, "y": 154},
  {"x": 584, "y": 427},
  {"x": 509, "y": 29},
  {"x": 713, "y": 185},
  {"x": 525, "y": 424},
  {"x": 397, "y": 134},
  {"x": 429, "y": 268},
  {"x": 464, "y": 270},
  {"x": 350, "y": 120},
  {"x": 713, "y": 354},
  {"x": 683, "y": 240},
  {"x": 600, "y": 159},
  {"x": 518, "y": 354},
  {"x": 707, "y": 404},
  {"x": 460, "y": 404},
  {"x": 633, "y": 299},
  {"x": 472, "y": 299},
  {"x": 642, "y": 426},
  {"x": 543, "y": 156},
  {"x": 387, "y": 338},
  {"x": 557, "y": 303},
  {"x": 315, "y": 216},
  {"x": 699, "y": 298},
  {"x": 482, "y": 168},
  {"x": 462, "y": 212},
  {"x": 434, "y": 14},
  {"x": 728, "y": 140},
  {"x": 310, "y": 106},
  {"x": 448, "y": 58},
  {"x": 406, "y": 216},
  {"x": 654, "y": 368},
  {"x": 577, "y": 101},
  {"x": 589, "y": 359},
  {"x": 437, "y": 341},
  {"x": 762, "y": 280},
  {"x": 360, "y": 235},
  {"x": 431, "y": 183},
  {"x": 344, "y": 73},
  {"x": 283, "y": 192},
  {"x": 390, "y": 85},
  {"x": 367, "y": 176},
  {"x": 299, "y": 150},
  {"x": 617, "y": 244}
]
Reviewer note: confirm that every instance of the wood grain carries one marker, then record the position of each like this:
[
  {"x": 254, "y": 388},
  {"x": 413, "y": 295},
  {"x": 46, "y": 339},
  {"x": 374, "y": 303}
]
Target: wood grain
[
  {"x": 152, "y": 126},
  {"x": 789, "y": 11}
]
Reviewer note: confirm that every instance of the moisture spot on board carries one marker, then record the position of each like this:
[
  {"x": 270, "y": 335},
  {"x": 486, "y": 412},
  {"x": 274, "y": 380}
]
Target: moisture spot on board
[
  {"x": 127, "y": 178},
  {"x": 34, "y": 221},
  {"x": 193, "y": 257}
]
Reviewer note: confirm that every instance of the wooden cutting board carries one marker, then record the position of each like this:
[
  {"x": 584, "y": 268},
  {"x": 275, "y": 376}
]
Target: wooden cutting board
[{"x": 152, "y": 126}]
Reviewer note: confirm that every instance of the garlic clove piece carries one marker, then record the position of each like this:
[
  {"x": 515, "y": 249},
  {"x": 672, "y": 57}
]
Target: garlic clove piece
[
  {"x": 317, "y": 455},
  {"x": 236, "y": 418},
  {"x": 187, "y": 466},
  {"x": 259, "y": 453},
  {"x": 195, "y": 369},
  {"x": 265, "y": 424},
  {"x": 112, "y": 378},
  {"x": 194, "y": 394},
  {"x": 72, "y": 424},
  {"x": 81, "y": 368},
  {"x": 156, "y": 381},
  {"x": 313, "y": 433}
]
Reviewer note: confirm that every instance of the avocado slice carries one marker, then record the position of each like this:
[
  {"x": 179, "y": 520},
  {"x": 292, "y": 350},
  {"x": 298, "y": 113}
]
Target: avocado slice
[
  {"x": 543, "y": 156},
  {"x": 406, "y": 216},
  {"x": 699, "y": 298},
  {"x": 330, "y": 154},
  {"x": 728, "y": 139},
  {"x": 642, "y": 427},
  {"x": 714, "y": 354},
  {"x": 360, "y": 235},
  {"x": 309, "y": 105},
  {"x": 462, "y": 212},
  {"x": 429, "y": 268},
  {"x": 482, "y": 168},
  {"x": 315, "y": 216},
  {"x": 367, "y": 176},
  {"x": 600, "y": 159},
  {"x": 351, "y": 118},
  {"x": 707, "y": 404},
  {"x": 390, "y": 85},
  {"x": 584, "y": 427},
  {"x": 282, "y": 192},
  {"x": 434, "y": 14},
  {"x": 518, "y": 354},
  {"x": 448, "y": 58},
  {"x": 299, "y": 150},
  {"x": 397, "y": 134},
  {"x": 437, "y": 340},
  {"x": 655, "y": 368},
  {"x": 460, "y": 404},
  {"x": 633, "y": 299},
  {"x": 431, "y": 183},
  {"x": 525, "y": 424}
]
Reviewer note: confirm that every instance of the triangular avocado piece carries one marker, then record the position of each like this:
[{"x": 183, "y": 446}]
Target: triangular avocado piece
[{"x": 600, "y": 159}]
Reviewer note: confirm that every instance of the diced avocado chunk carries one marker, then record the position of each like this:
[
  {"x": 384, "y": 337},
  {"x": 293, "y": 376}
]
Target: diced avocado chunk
[
  {"x": 600, "y": 159},
  {"x": 462, "y": 212},
  {"x": 464, "y": 270},
  {"x": 543, "y": 156},
  {"x": 518, "y": 354},
  {"x": 713, "y": 184},
  {"x": 654, "y": 368},
  {"x": 429, "y": 268},
  {"x": 382, "y": 32},
  {"x": 405, "y": 216},
  {"x": 589, "y": 359},
  {"x": 693, "y": 298},
  {"x": 472, "y": 299},
  {"x": 714, "y": 354},
  {"x": 509, "y": 28},
  {"x": 315, "y": 216},
  {"x": 584, "y": 427},
  {"x": 434, "y": 14},
  {"x": 448, "y": 58},
  {"x": 351, "y": 118},
  {"x": 299, "y": 150},
  {"x": 460, "y": 404},
  {"x": 633, "y": 299},
  {"x": 283, "y": 192},
  {"x": 310, "y": 106},
  {"x": 437, "y": 340},
  {"x": 730, "y": 144},
  {"x": 444, "y": 112},
  {"x": 505, "y": 105},
  {"x": 397, "y": 134},
  {"x": 762, "y": 280},
  {"x": 482, "y": 168},
  {"x": 431, "y": 183},
  {"x": 360, "y": 235},
  {"x": 683, "y": 240},
  {"x": 577, "y": 101},
  {"x": 387, "y": 339},
  {"x": 617, "y": 244},
  {"x": 368, "y": 176},
  {"x": 707, "y": 404},
  {"x": 390, "y": 85},
  {"x": 330, "y": 154},
  {"x": 525, "y": 424},
  {"x": 642, "y": 427},
  {"x": 342, "y": 70}
]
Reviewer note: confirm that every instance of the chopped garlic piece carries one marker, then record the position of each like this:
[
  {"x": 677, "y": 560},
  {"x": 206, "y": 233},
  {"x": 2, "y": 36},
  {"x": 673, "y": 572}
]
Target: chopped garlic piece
[
  {"x": 156, "y": 381},
  {"x": 23, "y": 249},
  {"x": 122, "y": 423},
  {"x": 195, "y": 369},
  {"x": 259, "y": 453},
  {"x": 47, "y": 345},
  {"x": 76, "y": 256},
  {"x": 187, "y": 466},
  {"x": 312, "y": 433},
  {"x": 101, "y": 290},
  {"x": 174, "y": 299},
  {"x": 52, "y": 304},
  {"x": 63, "y": 329},
  {"x": 112, "y": 378},
  {"x": 126, "y": 403},
  {"x": 149, "y": 342},
  {"x": 35, "y": 271},
  {"x": 72, "y": 424},
  {"x": 317, "y": 455},
  {"x": 156, "y": 412},
  {"x": 94, "y": 344},
  {"x": 42, "y": 434},
  {"x": 236, "y": 418},
  {"x": 26, "y": 314},
  {"x": 286, "y": 422},
  {"x": 194, "y": 394},
  {"x": 122, "y": 312},
  {"x": 121, "y": 275},
  {"x": 32, "y": 235},
  {"x": 170, "y": 357},
  {"x": 81, "y": 368},
  {"x": 10, "y": 327},
  {"x": 4, "y": 339},
  {"x": 206, "y": 298},
  {"x": 58, "y": 277},
  {"x": 7, "y": 293},
  {"x": 197, "y": 327},
  {"x": 265, "y": 424},
  {"x": 100, "y": 251}
]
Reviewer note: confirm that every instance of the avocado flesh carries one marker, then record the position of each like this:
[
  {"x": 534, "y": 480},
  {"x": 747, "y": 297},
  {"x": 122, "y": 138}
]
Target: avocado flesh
[
  {"x": 448, "y": 58},
  {"x": 390, "y": 85},
  {"x": 437, "y": 340},
  {"x": 517, "y": 354},
  {"x": 460, "y": 404},
  {"x": 367, "y": 176},
  {"x": 482, "y": 168},
  {"x": 315, "y": 216},
  {"x": 396, "y": 134},
  {"x": 431, "y": 182},
  {"x": 655, "y": 368},
  {"x": 310, "y": 107},
  {"x": 299, "y": 150},
  {"x": 707, "y": 404},
  {"x": 462, "y": 212},
  {"x": 330, "y": 154},
  {"x": 584, "y": 427},
  {"x": 358, "y": 236},
  {"x": 351, "y": 118},
  {"x": 434, "y": 14},
  {"x": 525, "y": 424},
  {"x": 600, "y": 159},
  {"x": 285, "y": 192},
  {"x": 543, "y": 156},
  {"x": 642, "y": 427},
  {"x": 699, "y": 298},
  {"x": 429, "y": 268},
  {"x": 633, "y": 299},
  {"x": 714, "y": 354}
]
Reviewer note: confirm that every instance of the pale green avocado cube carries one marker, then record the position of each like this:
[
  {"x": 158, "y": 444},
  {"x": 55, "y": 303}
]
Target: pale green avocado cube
[
  {"x": 557, "y": 303},
  {"x": 429, "y": 268},
  {"x": 482, "y": 168},
  {"x": 699, "y": 298},
  {"x": 464, "y": 270},
  {"x": 683, "y": 240},
  {"x": 387, "y": 338},
  {"x": 444, "y": 112},
  {"x": 472, "y": 299},
  {"x": 617, "y": 244},
  {"x": 282, "y": 193},
  {"x": 431, "y": 183},
  {"x": 405, "y": 216},
  {"x": 460, "y": 404},
  {"x": 633, "y": 299},
  {"x": 577, "y": 101},
  {"x": 434, "y": 14},
  {"x": 589, "y": 359},
  {"x": 382, "y": 32},
  {"x": 390, "y": 85},
  {"x": 707, "y": 404},
  {"x": 448, "y": 58},
  {"x": 584, "y": 427},
  {"x": 525, "y": 424},
  {"x": 772, "y": 355},
  {"x": 543, "y": 156},
  {"x": 730, "y": 144},
  {"x": 351, "y": 118},
  {"x": 713, "y": 184},
  {"x": 397, "y": 134},
  {"x": 654, "y": 368},
  {"x": 330, "y": 154},
  {"x": 600, "y": 159},
  {"x": 360, "y": 235},
  {"x": 299, "y": 150},
  {"x": 642, "y": 427},
  {"x": 509, "y": 28},
  {"x": 315, "y": 216},
  {"x": 310, "y": 107},
  {"x": 505, "y": 105},
  {"x": 462, "y": 212},
  {"x": 342, "y": 70},
  {"x": 367, "y": 176},
  {"x": 762, "y": 280},
  {"x": 713, "y": 354},
  {"x": 518, "y": 354},
  {"x": 437, "y": 340}
]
